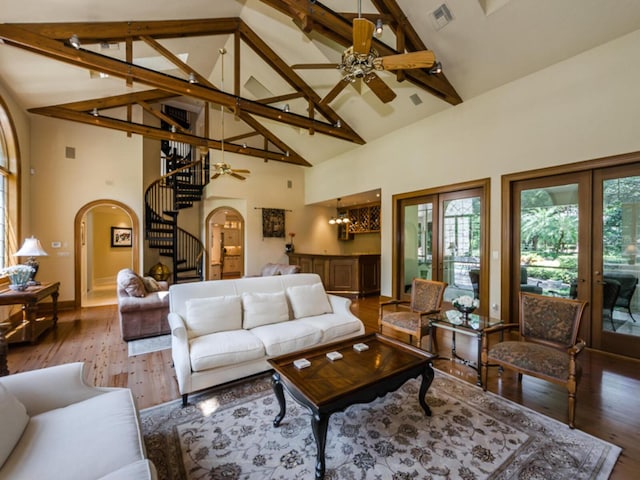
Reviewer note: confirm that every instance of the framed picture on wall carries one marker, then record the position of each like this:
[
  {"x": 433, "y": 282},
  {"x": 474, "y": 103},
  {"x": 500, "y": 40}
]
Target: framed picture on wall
[{"x": 120, "y": 237}]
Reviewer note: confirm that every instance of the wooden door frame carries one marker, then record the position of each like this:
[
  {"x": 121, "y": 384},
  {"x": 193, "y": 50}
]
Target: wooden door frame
[
  {"x": 484, "y": 185},
  {"x": 507, "y": 265},
  {"x": 207, "y": 233},
  {"x": 77, "y": 240}
]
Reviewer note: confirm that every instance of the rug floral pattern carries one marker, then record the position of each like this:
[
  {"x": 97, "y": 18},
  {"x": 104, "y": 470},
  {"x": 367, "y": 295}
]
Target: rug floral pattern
[{"x": 229, "y": 434}]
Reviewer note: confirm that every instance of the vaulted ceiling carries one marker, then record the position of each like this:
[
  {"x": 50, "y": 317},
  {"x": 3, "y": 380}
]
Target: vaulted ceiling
[{"x": 281, "y": 102}]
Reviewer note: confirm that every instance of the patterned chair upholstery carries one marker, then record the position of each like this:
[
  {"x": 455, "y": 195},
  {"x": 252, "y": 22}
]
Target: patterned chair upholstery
[
  {"x": 548, "y": 344},
  {"x": 411, "y": 316}
]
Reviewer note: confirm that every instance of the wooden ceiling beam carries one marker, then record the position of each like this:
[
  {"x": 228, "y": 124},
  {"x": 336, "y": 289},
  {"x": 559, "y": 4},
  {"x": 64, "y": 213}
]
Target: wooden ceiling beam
[
  {"x": 160, "y": 134},
  {"x": 98, "y": 32},
  {"x": 25, "y": 39},
  {"x": 291, "y": 77}
]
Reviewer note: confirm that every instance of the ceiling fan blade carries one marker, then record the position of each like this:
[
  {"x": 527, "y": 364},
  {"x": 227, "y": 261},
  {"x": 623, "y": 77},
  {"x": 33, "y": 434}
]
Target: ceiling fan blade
[
  {"x": 239, "y": 177},
  {"x": 215, "y": 175},
  {"x": 240, "y": 170},
  {"x": 314, "y": 66},
  {"x": 362, "y": 34},
  {"x": 421, "y": 59},
  {"x": 381, "y": 89},
  {"x": 341, "y": 85}
]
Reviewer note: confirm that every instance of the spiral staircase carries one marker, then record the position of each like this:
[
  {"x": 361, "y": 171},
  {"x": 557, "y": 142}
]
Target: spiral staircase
[{"x": 182, "y": 185}]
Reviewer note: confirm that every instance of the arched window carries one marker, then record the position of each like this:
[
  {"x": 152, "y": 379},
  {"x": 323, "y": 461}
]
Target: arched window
[{"x": 9, "y": 204}]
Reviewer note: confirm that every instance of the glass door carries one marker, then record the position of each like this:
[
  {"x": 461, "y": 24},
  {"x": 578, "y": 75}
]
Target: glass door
[
  {"x": 551, "y": 240},
  {"x": 440, "y": 237},
  {"x": 616, "y": 261}
]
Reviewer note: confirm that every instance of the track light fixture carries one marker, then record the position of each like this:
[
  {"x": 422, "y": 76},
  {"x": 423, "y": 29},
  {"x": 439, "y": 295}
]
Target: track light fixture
[
  {"x": 74, "y": 41},
  {"x": 437, "y": 68},
  {"x": 286, "y": 108},
  {"x": 192, "y": 78},
  {"x": 378, "y": 31},
  {"x": 94, "y": 112}
]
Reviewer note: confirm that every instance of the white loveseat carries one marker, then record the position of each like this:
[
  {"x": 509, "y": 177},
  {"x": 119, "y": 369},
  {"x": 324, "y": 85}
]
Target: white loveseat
[
  {"x": 222, "y": 330},
  {"x": 54, "y": 425}
]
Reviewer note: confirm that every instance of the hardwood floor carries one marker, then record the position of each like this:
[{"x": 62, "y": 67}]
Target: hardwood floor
[{"x": 608, "y": 397}]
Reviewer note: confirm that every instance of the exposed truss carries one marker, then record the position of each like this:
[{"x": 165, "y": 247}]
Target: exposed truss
[{"x": 51, "y": 40}]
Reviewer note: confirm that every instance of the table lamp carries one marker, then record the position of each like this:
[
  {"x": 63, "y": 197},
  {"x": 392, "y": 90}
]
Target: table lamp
[{"x": 31, "y": 248}]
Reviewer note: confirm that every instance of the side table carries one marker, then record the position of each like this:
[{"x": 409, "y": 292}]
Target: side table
[
  {"x": 474, "y": 327},
  {"x": 31, "y": 326}
]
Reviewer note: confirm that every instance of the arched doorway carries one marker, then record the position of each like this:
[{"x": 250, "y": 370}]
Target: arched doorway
[
  {"x": 97, "y": 259},
  {"x": 225, "y": 244}
]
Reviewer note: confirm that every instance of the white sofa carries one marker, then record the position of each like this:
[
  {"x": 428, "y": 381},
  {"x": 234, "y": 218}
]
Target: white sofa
[
  {"x": 222, "y": 330},
  {"x": 54, "y": 425}
]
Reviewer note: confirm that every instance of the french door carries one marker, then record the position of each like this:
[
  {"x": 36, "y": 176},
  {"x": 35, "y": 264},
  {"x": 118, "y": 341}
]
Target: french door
[
  {"x": 577, "y": 235},
  {"x": 440, "y": 236}
]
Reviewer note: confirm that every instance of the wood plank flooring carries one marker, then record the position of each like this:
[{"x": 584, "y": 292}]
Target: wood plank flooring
[{"x": 608, "y": 401}]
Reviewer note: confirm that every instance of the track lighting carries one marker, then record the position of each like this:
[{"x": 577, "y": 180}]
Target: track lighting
[
  {"x": 74, "y": 41},
  {"x": 286, "y": 108},
  {"x": 192, "y": 78},
  {"x": 173, "y": 129},
  {"x": 94, "y": 112},
  {"x": 378, "y": 31},
  {"x": 437, "y": 68}
]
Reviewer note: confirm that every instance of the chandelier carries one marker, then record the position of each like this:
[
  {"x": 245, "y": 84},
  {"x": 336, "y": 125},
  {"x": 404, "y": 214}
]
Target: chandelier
[{"x": 341, "y": 217}]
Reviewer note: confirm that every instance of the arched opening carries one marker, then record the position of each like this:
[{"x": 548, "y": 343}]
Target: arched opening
[
  {"x": 225, "y": 244},
  {"x": 99, "y": 255}
]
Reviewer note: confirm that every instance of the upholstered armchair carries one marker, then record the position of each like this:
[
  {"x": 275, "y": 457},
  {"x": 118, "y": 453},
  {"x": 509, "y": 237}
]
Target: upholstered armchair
[
  {"x": 411, "y": 317},
  {"x": 548, "y": 344}
]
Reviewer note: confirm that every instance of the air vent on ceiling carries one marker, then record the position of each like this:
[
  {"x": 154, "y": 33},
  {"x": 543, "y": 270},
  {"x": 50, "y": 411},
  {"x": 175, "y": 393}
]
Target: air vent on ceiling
[
  {"x": 415, "y": 99},
  {"x": 441, "y": 16}
]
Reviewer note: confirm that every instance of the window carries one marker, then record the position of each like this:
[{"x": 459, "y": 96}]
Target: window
[{"x": 8, "y": 187}]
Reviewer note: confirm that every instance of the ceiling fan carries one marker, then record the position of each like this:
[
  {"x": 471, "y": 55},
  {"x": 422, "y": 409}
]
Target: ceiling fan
[
  {"x": 361, "y": 61},
  {"x": 222, "y": 168}
]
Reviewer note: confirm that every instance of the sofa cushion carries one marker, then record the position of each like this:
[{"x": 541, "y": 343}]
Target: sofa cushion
[
  {"x": 224, "y": 348},
  {"x": 332, "y": 325},
  {"x": 55, "y": 443},
  {"x": 213, "y": 314},
  {"x": 308, "y": 300},
  {"x": 14, "y": 419},
  {"x": 131, "y": 282},
  {"x": 280, "y": 338},
  {"x": 151, "y": 284},
  {"x": 264, "y": 309}
]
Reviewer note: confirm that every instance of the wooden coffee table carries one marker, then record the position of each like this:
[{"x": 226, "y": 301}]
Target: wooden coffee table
[{"x": 329, "y": 386}]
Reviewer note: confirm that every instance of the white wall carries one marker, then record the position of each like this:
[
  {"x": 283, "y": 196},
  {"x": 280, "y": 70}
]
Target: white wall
[
  {"x": 583, "y": 108},
  {"x": 107, "y": 165}
]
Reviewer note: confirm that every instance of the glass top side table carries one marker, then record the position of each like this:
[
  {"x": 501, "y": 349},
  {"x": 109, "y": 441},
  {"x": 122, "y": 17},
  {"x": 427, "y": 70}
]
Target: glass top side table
[{"x": 453, "y": 321}]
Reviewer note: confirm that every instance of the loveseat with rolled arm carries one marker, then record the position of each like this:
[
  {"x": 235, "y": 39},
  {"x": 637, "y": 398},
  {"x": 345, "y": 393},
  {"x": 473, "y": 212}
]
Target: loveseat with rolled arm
[
  {"x": 223, "y": 330},
  {"x": 54, "y": 425},
  {"x": 143, "y": 305}
]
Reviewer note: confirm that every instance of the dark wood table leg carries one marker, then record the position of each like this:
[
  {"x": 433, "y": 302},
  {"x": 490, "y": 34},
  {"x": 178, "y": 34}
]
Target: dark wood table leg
[
  {"x": 320, "y": 425},
  {"x": 277, "y": 389},
  {"x": 427, "y": 378},
  {"x": 479, "y": 364},
  {"x": 54, "y": 300},
  {"x": 4, "y": 351}
]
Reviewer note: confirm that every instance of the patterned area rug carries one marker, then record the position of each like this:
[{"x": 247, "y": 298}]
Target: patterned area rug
[
  {"x": 148, "y": 345},
  {"x": 228, "y": 434}
]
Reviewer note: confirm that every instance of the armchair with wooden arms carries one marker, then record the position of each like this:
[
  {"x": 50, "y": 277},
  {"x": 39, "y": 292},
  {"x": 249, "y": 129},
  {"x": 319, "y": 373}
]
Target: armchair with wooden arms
[
  {"x": 411, "y": 317},
  {"x": 548, "y": 344}
]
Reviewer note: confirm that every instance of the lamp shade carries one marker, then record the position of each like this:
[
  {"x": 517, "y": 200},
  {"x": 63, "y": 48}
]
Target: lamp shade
[{"x": 31, "y": 248}]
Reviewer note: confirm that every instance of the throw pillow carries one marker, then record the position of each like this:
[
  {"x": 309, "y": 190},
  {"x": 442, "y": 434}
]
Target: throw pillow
[
  {"x": 132, "y": 283},
  {"x": 150, "y": 284},
  {"x": 14, "y": 419},
  {"x": 309, "y": 300},
  {"x": 264, "y": 309},
  {"x": 213, "y": 314}
]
